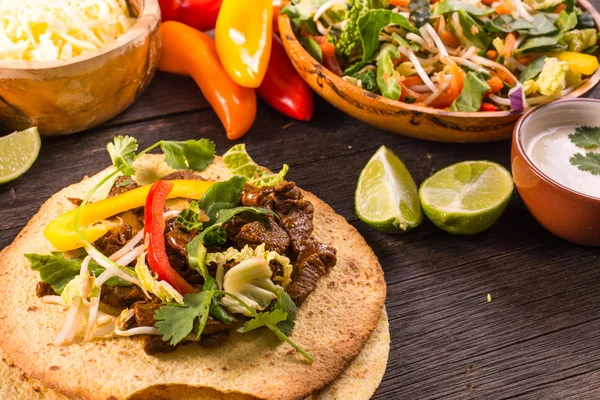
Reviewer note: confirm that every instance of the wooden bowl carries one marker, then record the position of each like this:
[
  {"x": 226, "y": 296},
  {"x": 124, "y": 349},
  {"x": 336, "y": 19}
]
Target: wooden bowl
[
  {"x": 569, "y": 214},
  {"x": 407, "y": 119},
  {"x": 68, "y": 96}
]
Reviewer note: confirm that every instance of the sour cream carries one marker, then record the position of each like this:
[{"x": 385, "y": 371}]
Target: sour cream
[{"x": 551, "y": 150}]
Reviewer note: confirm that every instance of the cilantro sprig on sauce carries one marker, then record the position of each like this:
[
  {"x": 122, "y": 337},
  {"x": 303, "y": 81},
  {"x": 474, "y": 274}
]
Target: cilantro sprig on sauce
[{"x": 587, "y": 138}]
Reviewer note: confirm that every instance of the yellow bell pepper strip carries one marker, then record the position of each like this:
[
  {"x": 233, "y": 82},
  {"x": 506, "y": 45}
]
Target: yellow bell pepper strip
[
  {"x": 61, "y": 231},
  {"x": 243, "y": 35},
  {"x": 585, "y": 64},
  {"x": 187, "y": 51}
]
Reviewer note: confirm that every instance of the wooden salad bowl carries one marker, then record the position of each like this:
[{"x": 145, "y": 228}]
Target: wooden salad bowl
[
  {"x": 407, "y": 119},
  {"x": 68, "y": 96}
]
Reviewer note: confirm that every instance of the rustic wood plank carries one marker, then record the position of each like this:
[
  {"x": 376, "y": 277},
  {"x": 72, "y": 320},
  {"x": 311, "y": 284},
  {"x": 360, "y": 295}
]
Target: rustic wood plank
[{"x": 538, "y": 338}]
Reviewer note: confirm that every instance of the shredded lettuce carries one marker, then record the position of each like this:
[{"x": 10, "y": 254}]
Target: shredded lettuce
[
  {"x": 160, "y": 289},
  {"x": 232, "y": 254},
  {"x": 542, "y": 4},
  {"x": 73, "y": 289},
  {"x": 580, "y": 39},
  {"x": 238, "y": 162},
  {"x": 251, "y": 282},
  {"x": 552, "y": 80}
]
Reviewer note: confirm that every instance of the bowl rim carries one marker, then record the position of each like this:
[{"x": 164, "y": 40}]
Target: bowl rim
[
  {"x": 517, "y": 143},
  {"x": 287, "y": 33},
  {"x": 149, "y": 15}
]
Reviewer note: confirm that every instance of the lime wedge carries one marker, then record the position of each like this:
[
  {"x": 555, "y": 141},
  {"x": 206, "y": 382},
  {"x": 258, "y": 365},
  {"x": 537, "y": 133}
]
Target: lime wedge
[
  {"x": 18, "y": 151},
  {"x": 467, "y": 197},
  {"x": 386, "y": 196}
]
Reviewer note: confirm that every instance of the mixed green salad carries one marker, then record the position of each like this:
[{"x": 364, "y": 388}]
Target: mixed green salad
[{"x": 469, "y": 55}]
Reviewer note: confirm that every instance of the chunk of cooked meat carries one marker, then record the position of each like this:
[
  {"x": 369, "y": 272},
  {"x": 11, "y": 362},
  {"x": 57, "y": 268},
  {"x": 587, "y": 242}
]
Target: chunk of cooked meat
[
  {"x": 121, "y": 297},
  {"x": 176, "y": 240},
  {"x": 314, "y": 259},
  {"x": 256, "y": 233},
  {"x": 215, "y": 339},
  {"x": 155, "y": 345},
  {"x": 44, "y": 289},
  {"x": 296, "y": 214},
  {"x": 182, "y": 174},
  {"x": 114, "y": 240},
  {"x": 144, "y": 312},
  {"x": 122, "y": 184},
  {"x": 253, "y": 196}
]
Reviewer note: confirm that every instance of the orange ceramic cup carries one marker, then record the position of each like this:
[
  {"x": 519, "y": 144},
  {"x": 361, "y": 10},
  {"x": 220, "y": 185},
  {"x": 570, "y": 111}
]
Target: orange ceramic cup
[{"x": 567, "y": 213}]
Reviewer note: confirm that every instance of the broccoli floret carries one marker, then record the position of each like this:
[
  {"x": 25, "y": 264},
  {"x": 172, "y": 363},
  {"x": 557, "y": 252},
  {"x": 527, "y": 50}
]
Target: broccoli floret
[
  {"x": 349, "y": 42},
  {"x": 369, "y": 81}
]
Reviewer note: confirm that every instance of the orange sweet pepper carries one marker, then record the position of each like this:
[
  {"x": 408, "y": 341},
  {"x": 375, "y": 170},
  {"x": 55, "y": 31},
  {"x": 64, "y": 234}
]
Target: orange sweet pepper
[
  {"x": 187, "y": 51},
  {"x": 243, "y": 35}
]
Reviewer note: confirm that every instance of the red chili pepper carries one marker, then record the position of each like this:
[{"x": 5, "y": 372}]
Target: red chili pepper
[
  {"x": 283, "y": 88},
  {"x": 329, "y": 60},
  {"x": 155, "y": 237},
  {"x": 487, "y": 107},
  {"x": 199, "y": 14}
]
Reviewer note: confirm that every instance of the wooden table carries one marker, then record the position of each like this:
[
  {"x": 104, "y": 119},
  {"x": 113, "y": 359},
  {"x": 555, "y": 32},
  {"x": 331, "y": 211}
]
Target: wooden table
[{"x": 539, "y": 338}]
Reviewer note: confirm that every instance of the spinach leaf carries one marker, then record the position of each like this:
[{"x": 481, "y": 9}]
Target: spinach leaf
[
  {"x": 386, "y": 75},
  {"x": 301, "y": 18},
  {"x": 540, "y": 25},
  {"x": 371, "y": 24},
  {"x": 419, "y": 12},
  {"x": 448, "y": 6},
  {"x": 313, "y": 48},
  {"x": 221, "y": 196},
  {"x": 471, "y": 96},
  {"x": 507, "y": 23},
  {"x": 533, "y": 69},
  {"x": 566, "y": 21},
  {"x": 473, "y": 34},
  {"x": 542, "y": 44},
  {"x": 353, "y": 69},
  {"x": 585, "y": 20},
  {"x": 570, "y": 5}
]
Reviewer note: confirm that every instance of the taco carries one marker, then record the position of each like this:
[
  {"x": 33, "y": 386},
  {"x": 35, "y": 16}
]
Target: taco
[{"x": 186, "y": 271}]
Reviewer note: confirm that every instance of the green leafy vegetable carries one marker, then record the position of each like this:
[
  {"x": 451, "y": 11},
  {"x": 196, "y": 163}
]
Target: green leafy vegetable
[
  {"x": 419, "y": 12},
  {"x": 57, "y": 271},
  {"x": 585, "y": 21},
  {"x": 313, "y": 48},
  {"x": 122, "y": 153},
  {"x": 586, "y": 137},
  {"x": 543, "y": 4},
  {"x": 589, "y": 162},
  {"x": 369, "y": 81},
  {"x": 566, "y": 21},
  {"x": 541, "y": 44},
  {"x": 301, "y": 16},
  {"x": 580, "y": 39},
  {"x": 190, "y": 154},
  {"x": 349, "y": 42},
  {"x": 540, "y": 26},
  {"x": 371, "y": 24},
  {"x": 533, "y": 69},
  {"x": 221, "y": 196},
  {"x": 273, "y": 317},
  {"x": 470, "y": 31},
  {"x": 507, "y": 23},
  {"x": 448, "y": 6},
  {"x": 239, "y": 162},
  {"x": 386, "y": 75},
  {"x": 125, "y": 182},
  {"x": 286, "y": 304},
  {"x": 355, "y": 68},
  {"x": 189, "y": 218},
  {"x": 471, "y": 96},
  {"x": 175, "y": 322}
]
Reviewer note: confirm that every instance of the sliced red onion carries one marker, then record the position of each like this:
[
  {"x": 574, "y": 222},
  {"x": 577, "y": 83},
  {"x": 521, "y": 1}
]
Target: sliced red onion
[{"x": 517, "y": 102}]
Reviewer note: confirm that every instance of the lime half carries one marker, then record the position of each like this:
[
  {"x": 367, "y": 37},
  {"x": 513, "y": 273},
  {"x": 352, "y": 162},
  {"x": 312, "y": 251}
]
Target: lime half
[
  {"x": 386, "y": 197},
  {"x": 467, "y": 197},
  {"x": 18, "y": 151}
]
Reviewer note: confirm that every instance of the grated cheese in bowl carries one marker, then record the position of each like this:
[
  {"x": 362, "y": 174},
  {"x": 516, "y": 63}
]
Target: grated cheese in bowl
[{"x": 50, "y": 30}]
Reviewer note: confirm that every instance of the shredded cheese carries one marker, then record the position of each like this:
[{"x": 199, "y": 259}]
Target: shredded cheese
[{"x": 50, "y": 30}]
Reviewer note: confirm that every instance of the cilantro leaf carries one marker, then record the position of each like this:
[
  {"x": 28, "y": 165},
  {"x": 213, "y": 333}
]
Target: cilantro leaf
[
  {"x": 285, "y": 303},
  {"x": 263, "y": 319},
  {"x": 122, "y": 153},
  {"x": 175, "y": 321},
  {"x": 189, "y": 154},
  {"x": 189, "y": 218},
  {"x": 57, "y": 271},
  {"x": 589, "y": 162},
  {"x": 586, "y": 137}
]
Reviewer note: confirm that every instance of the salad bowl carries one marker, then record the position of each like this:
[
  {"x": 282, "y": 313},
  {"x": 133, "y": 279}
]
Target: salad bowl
[
  {"x": 407, "y": 119},
  {"x": 71, "y": 95}
]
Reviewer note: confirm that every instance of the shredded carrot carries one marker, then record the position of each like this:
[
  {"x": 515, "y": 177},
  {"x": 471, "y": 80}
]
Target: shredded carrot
[
  {"x": 488, "y": 2},
  {"x": 487, "y": 107},
  {"x": 505, "y": 77},
  {"x": 400, "y": 3},
  {"x": 526, "y": 59},
  {"x": 509, "y": 44},
  {"x": 561, "y": 7},
  {"x": 495, "y": 84},
  {"x": 456, "y": 86},
  {"x": 492, "y": 54},
  {"x": 502, "y": 9},
  {"x": 319, "y": 39},
  {"x": 329, "y": 60},
  {"x": 449, "y": 39},
  {"x": 412, "y": 80},
  {"x": 436, "y": 24}
]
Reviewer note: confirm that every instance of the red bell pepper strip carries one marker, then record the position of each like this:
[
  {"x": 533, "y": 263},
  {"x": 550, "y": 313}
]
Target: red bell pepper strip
[
  {"x": 283, "y": 88},
  {"x": 155, "y": 237},
  {"x": 329, "y": 60},
  {"x": 199, "y": 14}
]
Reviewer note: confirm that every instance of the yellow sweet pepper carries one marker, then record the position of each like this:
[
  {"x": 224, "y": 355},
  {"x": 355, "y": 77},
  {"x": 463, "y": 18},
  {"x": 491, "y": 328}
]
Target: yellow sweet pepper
[
  {"x": 92, "y": 220},
  {"x": 585, "y": 64},
  {"x": 243, "y": 36}
]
